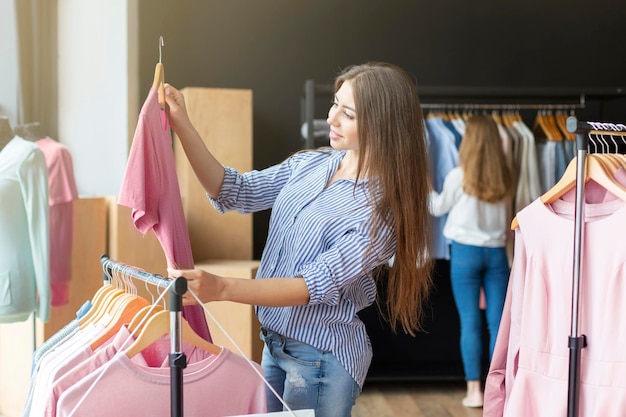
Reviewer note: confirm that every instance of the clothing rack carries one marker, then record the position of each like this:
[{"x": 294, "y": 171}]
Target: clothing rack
[
  {"x": 177, "y": 358},
  {"x": 577, "y": 341},
  {"x": 468, "y": 97}
]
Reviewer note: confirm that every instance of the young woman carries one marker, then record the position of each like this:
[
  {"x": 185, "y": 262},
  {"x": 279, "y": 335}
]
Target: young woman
[
  {"x": 338, "y": 215},
  {"x": 476, "y": 195}
]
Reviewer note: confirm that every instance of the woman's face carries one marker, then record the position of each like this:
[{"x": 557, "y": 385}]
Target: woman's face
[{"x": 342, "y": 120}]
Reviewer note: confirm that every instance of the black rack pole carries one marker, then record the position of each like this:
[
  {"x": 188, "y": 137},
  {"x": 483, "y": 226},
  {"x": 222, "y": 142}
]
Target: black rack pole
[
  {"x": 178, "y": 361},
  {"x": 576, "y": 341},
  {"x": 177, "y": 358}
]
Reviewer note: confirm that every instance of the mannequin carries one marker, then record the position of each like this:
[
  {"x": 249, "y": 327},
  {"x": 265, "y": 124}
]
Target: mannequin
[
  {"x": 6, "y": 132},
  {"x": 29, "y": 131}
]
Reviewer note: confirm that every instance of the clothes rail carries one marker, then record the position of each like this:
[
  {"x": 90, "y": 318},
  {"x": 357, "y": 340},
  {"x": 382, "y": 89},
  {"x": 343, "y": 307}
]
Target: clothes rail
[
  {"x": 177, "y": 359},
  {"x": 500, "y": 106},
  {"x": 577, "y": 341},
  {"x": 501, "y": 97}
]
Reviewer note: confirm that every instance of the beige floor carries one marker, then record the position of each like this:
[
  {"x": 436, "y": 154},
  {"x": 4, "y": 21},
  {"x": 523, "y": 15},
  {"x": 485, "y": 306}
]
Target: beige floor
[{"x": 414, "y": 399}]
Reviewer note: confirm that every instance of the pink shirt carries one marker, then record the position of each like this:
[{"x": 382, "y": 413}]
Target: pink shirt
[
  {"x": 150, "y": 188},
  {"x": 529, "y": 371},
  {"x": 62, "y": 193},
  {"x": 217, "y": 386},
  {"x": 155, "y": 355}
]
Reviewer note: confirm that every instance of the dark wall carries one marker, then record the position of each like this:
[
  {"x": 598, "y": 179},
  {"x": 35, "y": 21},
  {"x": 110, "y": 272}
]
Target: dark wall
[{"x": 272, "y": 46}]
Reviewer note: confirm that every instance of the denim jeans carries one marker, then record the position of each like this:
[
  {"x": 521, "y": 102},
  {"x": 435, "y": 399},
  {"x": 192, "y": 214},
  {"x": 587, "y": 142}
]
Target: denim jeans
[
  {"x": 306, "y": 378},
  {"x": 473, "y": 267}
]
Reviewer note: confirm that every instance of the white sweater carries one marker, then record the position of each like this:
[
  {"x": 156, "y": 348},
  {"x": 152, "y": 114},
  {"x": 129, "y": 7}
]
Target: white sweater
[{"x": 470, "y": 220}]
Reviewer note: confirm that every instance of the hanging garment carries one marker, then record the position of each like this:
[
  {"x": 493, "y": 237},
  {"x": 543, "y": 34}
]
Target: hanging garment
[
  {"x": 217, "y": 386},
  {"x": 62, "y": 193},
  {"x": 529, "y": 371},
  {"x": 150, "y": 188},
  {"x": 444, "y": 156},
  {"x": 85, "y": 361},
  {"x": 24, "y": 233}
]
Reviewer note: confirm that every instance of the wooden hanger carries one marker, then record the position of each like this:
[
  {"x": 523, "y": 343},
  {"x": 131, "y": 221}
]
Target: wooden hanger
[
  {"x": 596, "y": 168},
  {"x": 104, "y": 301},
  {"x": 124, "y": 311},
  {"x": 159, "y": 325},
  {"x": 140, "y": 318},
  {"x": 561, "y": 119},
  {"x": 100, "y": 304},
  {"x": 159, "y": 77}
]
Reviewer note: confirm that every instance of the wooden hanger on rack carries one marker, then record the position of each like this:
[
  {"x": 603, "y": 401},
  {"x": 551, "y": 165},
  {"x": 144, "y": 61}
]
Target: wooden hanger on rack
[
  {"x": 123, "y": 313},
  {"x": 100, "y": 305},
  {"x": 597, "y": 167},
  {"x": 141, "y": 317},
  {"x": 159, "y": 325},
  {"x": 159, "y": 77}
]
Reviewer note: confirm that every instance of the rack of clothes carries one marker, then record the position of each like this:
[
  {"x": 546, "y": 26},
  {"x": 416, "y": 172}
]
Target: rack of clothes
[
  {"x": 534, "y": 372},
  {"x": 125, "y": 352},
  {"x": 177, "y": 359}
]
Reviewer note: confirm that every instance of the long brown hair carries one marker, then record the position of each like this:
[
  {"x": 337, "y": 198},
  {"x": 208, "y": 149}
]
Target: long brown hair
[
  {"x": 486, "y": 174},
  {"x": 392, "y": 151}
]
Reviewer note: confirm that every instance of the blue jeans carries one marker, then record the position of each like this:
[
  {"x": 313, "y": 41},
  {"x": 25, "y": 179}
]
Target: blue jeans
[
  {"x": 473, "y": 267},
  {"x": 306, "y": 378}
]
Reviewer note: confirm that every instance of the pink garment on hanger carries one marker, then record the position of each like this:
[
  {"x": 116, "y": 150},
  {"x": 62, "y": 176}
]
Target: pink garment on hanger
[
  {"x": 77, "y": 367},
  {"x": 150, "y": 188},
  {"x": 529, "y": 371},
  {"x": 61, "y": 196},
  {"x": 218, "y": 386}
]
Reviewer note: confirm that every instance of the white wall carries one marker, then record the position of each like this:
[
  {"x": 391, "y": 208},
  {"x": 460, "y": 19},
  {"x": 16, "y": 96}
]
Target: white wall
[
  {"x": 8, "y": 62},
  {"x": 97, "y": 64}
]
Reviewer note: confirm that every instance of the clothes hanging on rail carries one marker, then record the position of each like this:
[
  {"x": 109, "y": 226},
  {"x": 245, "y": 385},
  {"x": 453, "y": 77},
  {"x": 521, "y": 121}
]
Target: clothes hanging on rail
[
  {"x": 72, "y": 364},
  {"x": 444, "y": 156},
  {"x": 555, "y": 149},
  {"x": 150, "y": 188},
  {"x": 213, "y": 387},
  {"x": 24, "y": 240},
  {"x": 528, "y": 375},
  {"x": 62, "y": 193},
  {"x": 444, "y": 133},
  {"x": 79, "y": 375}
]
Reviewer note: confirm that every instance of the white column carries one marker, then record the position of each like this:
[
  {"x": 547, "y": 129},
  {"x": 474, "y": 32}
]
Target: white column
[{"x": 97, "y": 89}]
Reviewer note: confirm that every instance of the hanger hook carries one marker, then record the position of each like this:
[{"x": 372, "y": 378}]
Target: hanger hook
[{"x": 161, "y": 43}]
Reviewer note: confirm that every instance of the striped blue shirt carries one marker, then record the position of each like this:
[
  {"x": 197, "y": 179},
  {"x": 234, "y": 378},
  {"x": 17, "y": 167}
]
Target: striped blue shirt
[{"x": 319, "y": 233}]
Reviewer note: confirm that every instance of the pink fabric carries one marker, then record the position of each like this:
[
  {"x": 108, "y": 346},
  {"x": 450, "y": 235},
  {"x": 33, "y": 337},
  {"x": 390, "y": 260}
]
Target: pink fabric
[
  {"x": 155, "y": 355},
  {"x": 150, "y": 188},
  {"x": 61, "y": 195},
  {"x": 529, "y": 370},
  {"x": 217, "y": 386}
]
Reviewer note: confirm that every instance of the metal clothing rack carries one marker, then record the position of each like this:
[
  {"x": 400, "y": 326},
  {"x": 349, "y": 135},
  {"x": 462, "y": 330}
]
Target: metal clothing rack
[
  {"x": 577, "y": 341},
  {"x": 177, "y": 358},
  {"x": 474, "y": 97}
]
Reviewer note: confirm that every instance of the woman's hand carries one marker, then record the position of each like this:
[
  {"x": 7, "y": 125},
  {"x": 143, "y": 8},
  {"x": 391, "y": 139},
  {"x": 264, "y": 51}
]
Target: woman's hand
[
  {"x": 206, "y": 286},
  {"x": 177, "y": 109}
]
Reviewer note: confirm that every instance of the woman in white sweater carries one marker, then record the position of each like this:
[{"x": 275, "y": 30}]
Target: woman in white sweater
[{"x": 475, "y": 196}]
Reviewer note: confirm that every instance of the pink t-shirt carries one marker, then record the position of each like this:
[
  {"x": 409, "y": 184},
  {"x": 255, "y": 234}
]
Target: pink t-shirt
[
  {"x": 150, "y": 188},
  {"x": 217, "y": 386},
  {"x": 155, "y": 355},
  {"x": 61, "y": 196}
]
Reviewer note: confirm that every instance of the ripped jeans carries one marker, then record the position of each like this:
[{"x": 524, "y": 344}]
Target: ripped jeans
[{"x": 306, "y": 378}]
